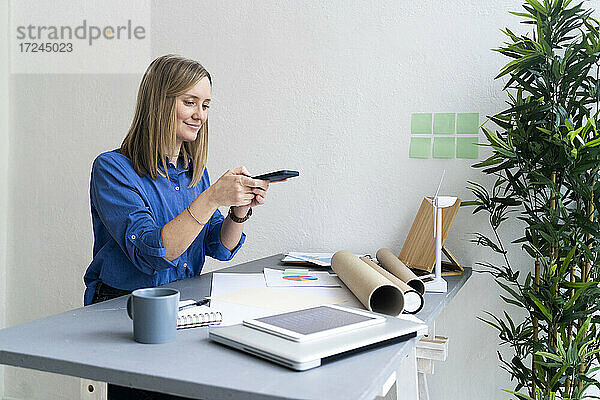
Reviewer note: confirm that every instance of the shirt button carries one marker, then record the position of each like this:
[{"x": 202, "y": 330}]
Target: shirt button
[
  {"x": 176, "y": 187},
  {"x": 184, "y": 265},
  {"x": 132, "y": 237}
]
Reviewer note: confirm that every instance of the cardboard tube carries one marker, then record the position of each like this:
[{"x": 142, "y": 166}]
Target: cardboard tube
[
  {"x": 413, "y": 300},
  {"x": 373, "y": 290},
  {"x": 391, "y": 263}
]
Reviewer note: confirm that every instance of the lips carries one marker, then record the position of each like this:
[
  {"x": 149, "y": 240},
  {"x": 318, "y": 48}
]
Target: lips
[{"x": 192, "y": 125}]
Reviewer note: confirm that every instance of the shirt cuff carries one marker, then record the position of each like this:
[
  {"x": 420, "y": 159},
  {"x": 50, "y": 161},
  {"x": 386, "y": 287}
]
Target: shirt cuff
[
  {"x": 217, "y": 250},
  {"x": 150, "y": 248}
]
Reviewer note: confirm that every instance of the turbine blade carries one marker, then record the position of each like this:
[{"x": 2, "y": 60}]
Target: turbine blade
[{"x": 440, "y": 185}]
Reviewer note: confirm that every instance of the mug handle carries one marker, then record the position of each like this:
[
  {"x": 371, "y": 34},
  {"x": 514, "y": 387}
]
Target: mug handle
[{"x": 130, "y": 306}]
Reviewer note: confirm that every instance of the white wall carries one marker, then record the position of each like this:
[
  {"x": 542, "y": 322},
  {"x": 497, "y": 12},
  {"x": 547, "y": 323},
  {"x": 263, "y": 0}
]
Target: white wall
[
  {"x": 4, "y": 151},
  {"x": 326, "y": 88}
]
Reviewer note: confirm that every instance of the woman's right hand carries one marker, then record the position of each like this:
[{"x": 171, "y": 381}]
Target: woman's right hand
[{"x": 237, "y": 188}]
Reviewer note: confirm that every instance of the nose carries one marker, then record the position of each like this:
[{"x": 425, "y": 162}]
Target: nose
[{"x": 200, "y": 114}]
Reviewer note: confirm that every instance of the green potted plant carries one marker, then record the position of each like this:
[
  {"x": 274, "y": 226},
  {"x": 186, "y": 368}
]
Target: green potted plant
[{"x": 544, "y": 164}]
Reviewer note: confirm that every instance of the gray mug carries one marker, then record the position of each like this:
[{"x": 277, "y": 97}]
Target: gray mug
[{"x": 154, "y": 314}]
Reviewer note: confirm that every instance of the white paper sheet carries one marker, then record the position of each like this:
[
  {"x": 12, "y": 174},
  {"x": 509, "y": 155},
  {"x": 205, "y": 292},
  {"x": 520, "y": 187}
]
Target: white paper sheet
[
  {"x": 245, "y": 296},
  {"x": 277, "y": 278},
  {"x": 275, "y": 299},
  {"x": 225, "y": 282}
]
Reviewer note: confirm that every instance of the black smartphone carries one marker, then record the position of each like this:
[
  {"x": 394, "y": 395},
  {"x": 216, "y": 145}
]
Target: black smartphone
[{"x": 277, "y": 176}]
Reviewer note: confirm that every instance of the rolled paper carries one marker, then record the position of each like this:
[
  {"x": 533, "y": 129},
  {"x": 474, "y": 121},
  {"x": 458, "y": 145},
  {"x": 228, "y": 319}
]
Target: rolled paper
[
  {"x": 373, "y": 290},
  {"x": 392, "y": 264},
  {"x": 413, "y": 300}
]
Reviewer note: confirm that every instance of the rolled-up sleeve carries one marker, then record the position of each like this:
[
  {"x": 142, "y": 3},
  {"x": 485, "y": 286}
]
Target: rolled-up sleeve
[
  {"x": 213, "y": 245},
  {"x": 127, "y": 216}
]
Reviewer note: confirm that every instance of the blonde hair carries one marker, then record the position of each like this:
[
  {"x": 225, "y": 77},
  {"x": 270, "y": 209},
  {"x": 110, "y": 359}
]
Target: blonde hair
[{"x": 152, "y": 135}]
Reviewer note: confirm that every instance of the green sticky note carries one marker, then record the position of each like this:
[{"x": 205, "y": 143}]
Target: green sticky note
[
  {"x": 466, "y": 147},
  {"x": 443, "y": 123},
  {"x": 443, "y": 147},
  {"x": 467, "y": 123},
  {"x": 295, "y": 271},
  {"x": 420, "y": 147},
  {"x": 420, "y": 124}
]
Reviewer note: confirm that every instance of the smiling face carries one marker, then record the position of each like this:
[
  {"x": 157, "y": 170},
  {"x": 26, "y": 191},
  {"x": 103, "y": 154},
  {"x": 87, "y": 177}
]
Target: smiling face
[{"x": 192, "y": 111}]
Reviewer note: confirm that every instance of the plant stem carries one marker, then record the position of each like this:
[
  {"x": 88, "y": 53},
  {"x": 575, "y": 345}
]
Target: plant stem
[
  {"x": 570, "y": 326},
  {"x": 585, "y": 276},
  {"x": 553, "y": 257},
  {"x": 534, "y": 320}
]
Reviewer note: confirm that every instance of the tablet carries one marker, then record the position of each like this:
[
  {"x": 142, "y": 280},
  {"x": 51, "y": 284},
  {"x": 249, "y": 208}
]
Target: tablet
[{"x": 315, "y": 322}]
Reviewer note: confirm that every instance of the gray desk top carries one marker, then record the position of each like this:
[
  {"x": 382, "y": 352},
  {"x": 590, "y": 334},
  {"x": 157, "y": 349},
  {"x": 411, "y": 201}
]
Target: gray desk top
[{"x": 96, "y": 342}]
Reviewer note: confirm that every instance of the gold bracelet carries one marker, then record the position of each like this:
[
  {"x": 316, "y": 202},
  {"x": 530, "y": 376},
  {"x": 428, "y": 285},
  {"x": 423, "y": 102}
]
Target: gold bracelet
[{"x": 192, "y": 215}]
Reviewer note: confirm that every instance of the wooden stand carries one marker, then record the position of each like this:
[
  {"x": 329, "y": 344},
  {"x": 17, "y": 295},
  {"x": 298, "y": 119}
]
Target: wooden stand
[{"x": 418, "y": 251}]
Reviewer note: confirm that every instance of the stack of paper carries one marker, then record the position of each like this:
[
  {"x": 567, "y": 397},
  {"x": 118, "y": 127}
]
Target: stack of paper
[{"x": 321, "y": 259}]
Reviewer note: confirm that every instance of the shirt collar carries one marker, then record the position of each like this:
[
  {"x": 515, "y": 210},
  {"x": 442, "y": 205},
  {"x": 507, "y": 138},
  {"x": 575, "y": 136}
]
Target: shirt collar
[{"x": 179, "y": 169}]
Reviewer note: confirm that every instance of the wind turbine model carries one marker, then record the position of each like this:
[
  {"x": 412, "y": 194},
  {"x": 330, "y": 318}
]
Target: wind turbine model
[{"x": 438, "y": 284}]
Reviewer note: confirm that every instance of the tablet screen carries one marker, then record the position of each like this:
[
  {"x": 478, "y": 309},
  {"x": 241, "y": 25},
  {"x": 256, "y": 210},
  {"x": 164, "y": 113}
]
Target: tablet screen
[{"x": 314, "y": 320}]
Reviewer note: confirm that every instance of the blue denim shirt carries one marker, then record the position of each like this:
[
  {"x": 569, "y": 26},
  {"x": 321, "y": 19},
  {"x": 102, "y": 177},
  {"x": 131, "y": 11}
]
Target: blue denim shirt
[{"x": 128, "y": 214}]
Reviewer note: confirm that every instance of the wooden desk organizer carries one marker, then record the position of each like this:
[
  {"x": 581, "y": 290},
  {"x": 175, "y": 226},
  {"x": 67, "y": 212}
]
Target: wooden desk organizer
[{"x": 418, "y": 251}]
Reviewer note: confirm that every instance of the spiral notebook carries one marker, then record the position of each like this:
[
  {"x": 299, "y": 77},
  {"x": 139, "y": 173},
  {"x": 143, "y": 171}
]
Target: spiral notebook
[{"x": 194, "y": 317}]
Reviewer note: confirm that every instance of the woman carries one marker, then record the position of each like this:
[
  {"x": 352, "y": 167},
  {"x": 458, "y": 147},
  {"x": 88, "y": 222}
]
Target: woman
[{"x": 154, "y": 213}]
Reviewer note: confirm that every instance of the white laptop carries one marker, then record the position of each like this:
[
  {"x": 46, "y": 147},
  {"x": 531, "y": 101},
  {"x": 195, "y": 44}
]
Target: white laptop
[{"x": 308, "y": 338}]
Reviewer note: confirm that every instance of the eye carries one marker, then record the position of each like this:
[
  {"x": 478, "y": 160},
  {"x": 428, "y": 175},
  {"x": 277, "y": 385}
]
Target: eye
[
  {"x": 206, "y": 106},
  {"x": 189, "y": 102}
]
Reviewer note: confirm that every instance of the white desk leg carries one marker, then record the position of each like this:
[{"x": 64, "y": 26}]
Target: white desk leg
[
  {"x": 406, "y": 382},
  {"x": 423, "y": 388},
  {"x": 93, "y": 390},
  {"x": 402, "y": 385}
]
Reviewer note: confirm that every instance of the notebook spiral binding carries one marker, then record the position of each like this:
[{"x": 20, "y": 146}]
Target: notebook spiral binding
[{"x": 201, "y": 319}]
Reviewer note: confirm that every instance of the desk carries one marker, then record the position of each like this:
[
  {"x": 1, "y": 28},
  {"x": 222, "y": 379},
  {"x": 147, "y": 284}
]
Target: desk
[{"x": 96, "y": 342}]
